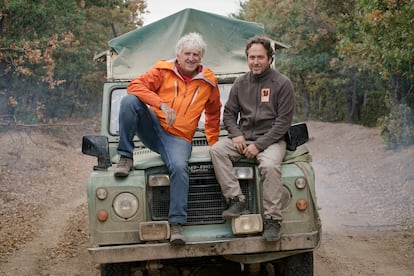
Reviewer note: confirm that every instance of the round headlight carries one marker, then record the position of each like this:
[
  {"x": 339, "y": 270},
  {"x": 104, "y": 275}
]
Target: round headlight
[
  {"x": 125, "y": 205},
  {"x": 300, "y": 183}
]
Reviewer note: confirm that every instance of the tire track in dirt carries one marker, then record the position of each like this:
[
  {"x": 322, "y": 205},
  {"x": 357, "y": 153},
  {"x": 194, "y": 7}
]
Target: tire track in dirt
[{"x": 27, "y": 259}]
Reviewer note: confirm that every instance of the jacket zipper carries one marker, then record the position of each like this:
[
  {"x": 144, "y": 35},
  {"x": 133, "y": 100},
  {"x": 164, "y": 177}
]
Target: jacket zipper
[
  {"x": 175, "y": 92},
  {"x": 182, "y": 100},
  {"x": 193, "y": 99},
  {"x": 255, "y": 113}
]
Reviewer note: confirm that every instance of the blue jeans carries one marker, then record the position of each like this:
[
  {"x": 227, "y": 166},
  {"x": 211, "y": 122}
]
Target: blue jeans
[{"x": 135, "y": 118}]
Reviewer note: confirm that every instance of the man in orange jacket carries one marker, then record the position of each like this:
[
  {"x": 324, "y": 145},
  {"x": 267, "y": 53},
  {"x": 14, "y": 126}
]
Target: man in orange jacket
[{"x": 162, "y": 108}]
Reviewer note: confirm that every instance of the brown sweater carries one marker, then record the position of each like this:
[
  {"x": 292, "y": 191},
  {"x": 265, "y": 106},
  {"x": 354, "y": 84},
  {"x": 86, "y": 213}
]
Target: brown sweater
[{"x": 265, "y": 104}]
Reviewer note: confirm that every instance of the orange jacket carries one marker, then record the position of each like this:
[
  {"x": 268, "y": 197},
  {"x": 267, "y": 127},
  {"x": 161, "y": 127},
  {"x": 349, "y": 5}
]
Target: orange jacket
[{"x": 163, "y": 84}]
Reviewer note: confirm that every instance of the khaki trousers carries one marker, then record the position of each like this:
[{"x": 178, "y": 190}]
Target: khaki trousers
[{"x": 223, "y": 154}]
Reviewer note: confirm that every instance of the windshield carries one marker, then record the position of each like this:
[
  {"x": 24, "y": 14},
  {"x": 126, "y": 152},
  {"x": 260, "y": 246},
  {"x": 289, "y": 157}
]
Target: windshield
[{"x": 118, "y": 94}]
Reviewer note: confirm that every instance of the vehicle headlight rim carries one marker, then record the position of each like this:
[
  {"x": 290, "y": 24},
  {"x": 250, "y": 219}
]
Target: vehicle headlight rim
[{"x": 125, "y": 205}]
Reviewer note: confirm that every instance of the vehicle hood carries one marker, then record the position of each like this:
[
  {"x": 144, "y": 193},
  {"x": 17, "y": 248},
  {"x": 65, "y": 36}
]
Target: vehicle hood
[{"x": 145, "y": 158}]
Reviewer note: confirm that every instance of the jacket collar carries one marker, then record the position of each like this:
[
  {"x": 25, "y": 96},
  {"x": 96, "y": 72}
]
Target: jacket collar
[
  {"x": 262, "y": 75},
  {"x": 204, "y": 73}
]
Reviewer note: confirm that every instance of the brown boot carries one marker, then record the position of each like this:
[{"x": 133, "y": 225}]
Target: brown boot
[
  {"x": 271, "y": 230},
  {"x": 177, "y": 236},
  {"x": 236, "y": 208},
  {"x": 124, "y": 166}
]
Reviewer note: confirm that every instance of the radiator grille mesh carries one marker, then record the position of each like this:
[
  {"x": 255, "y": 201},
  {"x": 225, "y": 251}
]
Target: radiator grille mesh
[{"x": 205, "y": 200}]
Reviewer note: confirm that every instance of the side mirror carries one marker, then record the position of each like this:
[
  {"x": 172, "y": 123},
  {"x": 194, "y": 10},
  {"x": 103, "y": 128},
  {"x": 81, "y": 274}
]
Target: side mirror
[
  {"x": 97, "y": 145},
  {"x": 296, "y": 136}
]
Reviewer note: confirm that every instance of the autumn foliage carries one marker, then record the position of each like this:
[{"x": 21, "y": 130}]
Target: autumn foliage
[{"x": 349, "y": 60}]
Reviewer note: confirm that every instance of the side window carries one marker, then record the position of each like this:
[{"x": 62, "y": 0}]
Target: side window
[{"x": 116, "y": 98}]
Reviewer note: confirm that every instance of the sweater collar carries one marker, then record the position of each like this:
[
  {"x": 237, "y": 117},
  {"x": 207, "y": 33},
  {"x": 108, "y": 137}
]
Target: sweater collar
[{"x": 262, "y": 75}]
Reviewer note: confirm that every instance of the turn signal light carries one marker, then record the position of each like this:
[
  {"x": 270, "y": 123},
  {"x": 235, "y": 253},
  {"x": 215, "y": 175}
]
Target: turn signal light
[
  {"x": 102, "y": 215},
  {"x": 101, "y": 193},
  {"x": 154, "y": 230},
  {"x": 301, "y": 204}
]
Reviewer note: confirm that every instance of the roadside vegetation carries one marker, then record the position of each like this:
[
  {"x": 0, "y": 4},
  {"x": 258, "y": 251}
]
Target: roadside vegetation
[{"x": 350, "y": 61}]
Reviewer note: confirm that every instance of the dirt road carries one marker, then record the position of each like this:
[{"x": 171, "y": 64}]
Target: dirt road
[{"x": 365, "y": 194}]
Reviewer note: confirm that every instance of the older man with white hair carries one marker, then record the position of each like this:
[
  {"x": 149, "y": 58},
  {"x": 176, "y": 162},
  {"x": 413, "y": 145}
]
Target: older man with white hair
[{"x": 162, "y": 108}]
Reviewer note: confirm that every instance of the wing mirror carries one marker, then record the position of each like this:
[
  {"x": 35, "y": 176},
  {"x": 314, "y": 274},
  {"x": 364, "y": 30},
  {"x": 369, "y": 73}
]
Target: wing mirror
[
  {"x": 97, "y": 145},
  {"x": 296, "y": 136}
]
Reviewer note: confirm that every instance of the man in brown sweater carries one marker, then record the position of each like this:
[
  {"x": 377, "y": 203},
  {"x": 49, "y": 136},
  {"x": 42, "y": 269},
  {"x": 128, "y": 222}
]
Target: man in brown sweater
[{"x": 257, "y": 116}]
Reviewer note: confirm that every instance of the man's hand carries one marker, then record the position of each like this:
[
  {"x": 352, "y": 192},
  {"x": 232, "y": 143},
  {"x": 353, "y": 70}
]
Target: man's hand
[
  {"x": 251, "y": 151},
  {"x": 239, "y": 144},
  {"x": 170, "y": 115}
]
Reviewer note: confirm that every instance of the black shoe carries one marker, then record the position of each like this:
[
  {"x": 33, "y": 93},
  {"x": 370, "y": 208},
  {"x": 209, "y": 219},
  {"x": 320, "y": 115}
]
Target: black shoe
[
  {"x": 177, "y": 236},
  {"x": 236, "y": 208},
  {"x": 271, "y": 230}
]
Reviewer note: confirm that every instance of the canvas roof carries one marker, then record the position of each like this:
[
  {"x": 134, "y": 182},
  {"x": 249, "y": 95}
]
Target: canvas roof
[{"x": 138, "y": 50}]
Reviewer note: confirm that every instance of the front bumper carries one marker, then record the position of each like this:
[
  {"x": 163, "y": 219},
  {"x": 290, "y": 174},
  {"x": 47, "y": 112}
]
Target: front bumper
[{"x": 244, "y": 250}]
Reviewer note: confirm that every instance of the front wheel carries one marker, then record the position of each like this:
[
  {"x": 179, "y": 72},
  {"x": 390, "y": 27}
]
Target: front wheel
[
  {"x": 116, "y": 269},
  {"x": 296, "y": 265}
]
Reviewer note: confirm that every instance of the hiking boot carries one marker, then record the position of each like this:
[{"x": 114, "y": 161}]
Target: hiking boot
[
  {"x": 124, "y": 166},
  {"x": 271, "y": 230},
  {"x": 235, "y": 210},
  {"x": 177, "y": 236}
]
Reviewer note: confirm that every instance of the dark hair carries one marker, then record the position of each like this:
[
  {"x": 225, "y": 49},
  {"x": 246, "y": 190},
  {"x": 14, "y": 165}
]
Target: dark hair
[{"x": 267, "y": 44}]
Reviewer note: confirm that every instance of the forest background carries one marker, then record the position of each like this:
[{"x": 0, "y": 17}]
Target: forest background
[{"x": 350, "y": 61}]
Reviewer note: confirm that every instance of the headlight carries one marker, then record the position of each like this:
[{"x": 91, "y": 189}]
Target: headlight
[
  {"x": 125, "y": 205},
  {"x": 243, "y": 172},
  {"x": 300, "y": 183},
  {"x": 286, "y": 196},
  {"x": 157, "y": 180},
  {"x": 154, "y": 230},
  {"x": 247, "y": 224}
]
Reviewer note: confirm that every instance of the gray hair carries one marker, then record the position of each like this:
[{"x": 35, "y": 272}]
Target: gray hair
[{"x": 191, "y": 40}]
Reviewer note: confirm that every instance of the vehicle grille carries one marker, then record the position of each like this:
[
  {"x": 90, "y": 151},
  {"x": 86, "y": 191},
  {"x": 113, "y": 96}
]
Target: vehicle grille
[{"x": 205, "y": 200}]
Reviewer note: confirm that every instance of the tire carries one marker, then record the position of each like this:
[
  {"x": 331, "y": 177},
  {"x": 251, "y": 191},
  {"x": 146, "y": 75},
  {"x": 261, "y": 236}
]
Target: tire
[
  {"x": 299, "y": 265},
  {"x": 116, "y": 269}
]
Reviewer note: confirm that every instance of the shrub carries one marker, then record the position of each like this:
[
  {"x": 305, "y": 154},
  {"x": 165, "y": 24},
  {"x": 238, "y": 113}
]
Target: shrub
[{"x": 397, "y": 128}]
